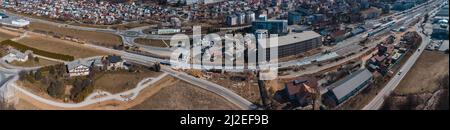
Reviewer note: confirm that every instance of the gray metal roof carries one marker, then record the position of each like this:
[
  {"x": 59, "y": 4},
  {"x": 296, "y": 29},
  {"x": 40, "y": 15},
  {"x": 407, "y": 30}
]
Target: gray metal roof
[
  {"x": 77, "y": 63},
  {"x": 348, "y": 84},
  {"x": 292, "y": 38}
]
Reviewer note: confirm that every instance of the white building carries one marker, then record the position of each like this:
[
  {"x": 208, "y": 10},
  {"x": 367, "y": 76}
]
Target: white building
[
  {"x": 240, "y": 18},
  {"x": 210, "y": 1},
  {"x": 250, "y": 16},
  {"x": 79, "y": 68},
  {"x": 20, "y": 23},
  {"x": 231, "y": 20},
  {"x": 15, "y": 55}
]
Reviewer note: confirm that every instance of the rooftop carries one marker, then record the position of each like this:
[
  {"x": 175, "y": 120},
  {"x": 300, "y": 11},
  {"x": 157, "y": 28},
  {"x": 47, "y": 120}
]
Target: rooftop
[
  {"x": 292, "y": 38},
  {"x": 345, "y": 86},
  {"x": 77, "y": 63},
  {"x": 301, "y": 84},
  {"x": 114, "y": 59}
]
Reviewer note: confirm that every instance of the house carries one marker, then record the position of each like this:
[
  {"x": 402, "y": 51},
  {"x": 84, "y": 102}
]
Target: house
[
  {"x": 301, "y": 91},
  {"x": 99, "y": 63},
  {"x": 338, "y": 36},
  {"x": 15, "y": 55},
  {"x": 79, "y": 68},
  {"x": 114, "y": 62}
]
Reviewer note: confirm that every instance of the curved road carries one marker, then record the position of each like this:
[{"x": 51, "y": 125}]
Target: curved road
[{"x": 120, "y": 96}]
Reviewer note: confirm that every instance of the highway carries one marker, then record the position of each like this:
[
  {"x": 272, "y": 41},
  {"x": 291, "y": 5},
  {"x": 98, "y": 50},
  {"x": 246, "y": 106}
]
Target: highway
[
  {"x": 206, "y": 85},
  {"x": 217, "y": 89},
  {"x": 163, "y": 52},
  {"x": 226, "y": 93}
]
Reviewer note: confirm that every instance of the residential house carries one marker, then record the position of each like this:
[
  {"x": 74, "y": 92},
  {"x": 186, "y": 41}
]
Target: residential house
[
  {"x": 301, "y": 91},
  {"x": 338, "y": 36},
  {"x": 114, "y": 62},
  {"x": 15, "y": 55},
  {"x": 79, "y": 68}
]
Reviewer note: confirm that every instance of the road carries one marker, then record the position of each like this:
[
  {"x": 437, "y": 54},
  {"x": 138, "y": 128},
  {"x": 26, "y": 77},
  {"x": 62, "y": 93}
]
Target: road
[
  {"x": 163, "y": 52},
  {"x": 221, "y": 91},
  {"x": 378, "y": 100},
  {"x": 123, "y": 96},
  {"x": 207, "y": 85},
  {"x": 217, "y": 89},
  {"x": 227, "y": 94}
]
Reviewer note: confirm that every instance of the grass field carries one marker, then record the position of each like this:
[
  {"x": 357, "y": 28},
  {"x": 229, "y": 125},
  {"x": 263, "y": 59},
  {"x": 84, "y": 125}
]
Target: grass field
[
  {"x": 99, "y": 38},
  {"x": 59, "y": 46},
  {"x": 151, "y": 42},
  {"x": 423, "y": 76},
  {"x": 116, "y": 82},
  {"x": 184, "y": 96}
]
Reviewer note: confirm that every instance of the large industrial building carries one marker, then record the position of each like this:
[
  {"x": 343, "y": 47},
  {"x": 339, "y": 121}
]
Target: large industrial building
[
  {"x": 273, "y": 26},
  {"x": 13, "y": 21},
  {"x": 349, "y": 86},
  {"x": 294, "y": 43}
]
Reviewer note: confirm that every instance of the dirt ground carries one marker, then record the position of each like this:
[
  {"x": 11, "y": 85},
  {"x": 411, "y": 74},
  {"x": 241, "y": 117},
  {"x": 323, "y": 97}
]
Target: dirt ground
[
  {"x": 107, "y": 105},
  {"x": 122, "y": 80},
  {"x": 168, "y": 93},
  {"x": 423, "y": 76},
  {"x": 25, "y": 105},
  {"x": 32, "y": 63},
  {"x": 247, "y": 89},
  {"x": 184, "y": 96},
  {"x": 6, "y": 34},
  {"x": 151, "y": 42},
  {"x": 104, "y": 39},
  {"x": 59, "y": 46}
]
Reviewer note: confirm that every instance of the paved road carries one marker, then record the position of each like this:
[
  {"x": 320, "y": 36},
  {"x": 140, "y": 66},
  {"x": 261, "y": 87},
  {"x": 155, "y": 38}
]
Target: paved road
[
  {"x": 377, "y": 102},
  {"x": 124, "y": 96},
  {"x": 224, "y": 92},
  {"x": 207, "y": 85},
  {"x": 166, "y": 53}
]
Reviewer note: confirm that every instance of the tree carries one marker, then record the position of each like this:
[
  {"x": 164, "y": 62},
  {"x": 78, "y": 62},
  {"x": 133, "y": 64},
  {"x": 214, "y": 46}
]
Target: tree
[
  {"x": 51, "y": 70},
  {"x": 157, "y": 67},
  {"x": 45, "y": 82},
  {"x": 23, "y": 75},
  {"x": 30, "y": 77},
  {"x": 30, "y": 56},
  {"x": 77, "y": 88},
  {"x": 38, "y": 75},
  {"x": 56, "y": 89},
  {"x": 36, "y": 59}
]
